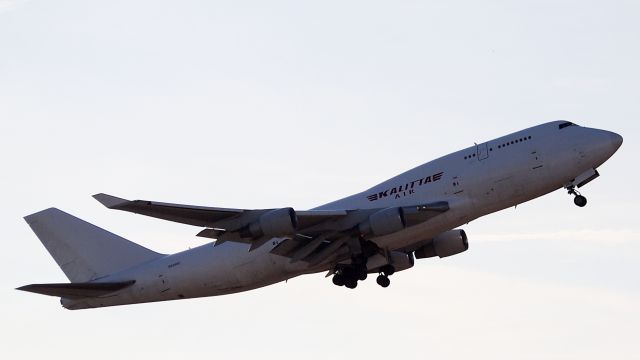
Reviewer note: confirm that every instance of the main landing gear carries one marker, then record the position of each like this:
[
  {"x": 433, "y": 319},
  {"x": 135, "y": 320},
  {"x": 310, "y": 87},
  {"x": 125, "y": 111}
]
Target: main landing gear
[
  {"x": 349, "y": 276},
  {"x": 578, "y": 199}
]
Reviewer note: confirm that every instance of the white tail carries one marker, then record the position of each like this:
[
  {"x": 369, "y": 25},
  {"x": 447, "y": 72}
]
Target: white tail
[{"x": 82, "y": 250}]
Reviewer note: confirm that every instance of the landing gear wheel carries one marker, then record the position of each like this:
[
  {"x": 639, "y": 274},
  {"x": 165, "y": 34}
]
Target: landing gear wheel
[
  {"x": 361, "y": 273},
  {"x": 388, "y": 270},
  {"x": 351, "y": 283},
  {"x": 338, "y": 280},
  {"x": 383, "y": 281},
  {"x": 580, "y": 200}
]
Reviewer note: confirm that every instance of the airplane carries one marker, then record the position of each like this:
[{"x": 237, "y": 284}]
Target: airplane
[{"x": 382, "y": 230}]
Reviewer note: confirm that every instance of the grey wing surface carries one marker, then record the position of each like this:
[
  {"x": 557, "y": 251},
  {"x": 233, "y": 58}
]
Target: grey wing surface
[{"x": 313, "y": 236}]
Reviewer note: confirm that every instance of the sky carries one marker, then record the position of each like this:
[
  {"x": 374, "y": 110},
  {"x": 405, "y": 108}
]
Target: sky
[{"x": 253, "y": 104}]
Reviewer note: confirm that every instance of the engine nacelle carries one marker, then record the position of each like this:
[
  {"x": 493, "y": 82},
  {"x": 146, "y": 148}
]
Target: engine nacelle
[
  {"x": 383, "y": 222},
  {"x": 446, "y": 244},
  {"x": 399, "y": 260},
  {"x": 278, "y": 222}
]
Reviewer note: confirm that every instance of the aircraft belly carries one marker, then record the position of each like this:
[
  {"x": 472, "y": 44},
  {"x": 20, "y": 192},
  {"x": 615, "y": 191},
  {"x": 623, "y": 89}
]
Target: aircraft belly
[{"x": 231, "y": 268}]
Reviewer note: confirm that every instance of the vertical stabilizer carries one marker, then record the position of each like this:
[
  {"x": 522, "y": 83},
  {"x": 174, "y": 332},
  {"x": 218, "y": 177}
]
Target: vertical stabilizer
[{"x": 82, "y": 250}]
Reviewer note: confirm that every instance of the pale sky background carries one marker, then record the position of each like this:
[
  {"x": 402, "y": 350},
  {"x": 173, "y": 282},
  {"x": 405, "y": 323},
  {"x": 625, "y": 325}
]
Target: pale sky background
[{"x": 296, "y": 103}]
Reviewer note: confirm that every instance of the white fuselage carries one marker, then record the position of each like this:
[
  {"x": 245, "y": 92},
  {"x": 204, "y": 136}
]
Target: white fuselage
[{"x": 475, "y": 181}]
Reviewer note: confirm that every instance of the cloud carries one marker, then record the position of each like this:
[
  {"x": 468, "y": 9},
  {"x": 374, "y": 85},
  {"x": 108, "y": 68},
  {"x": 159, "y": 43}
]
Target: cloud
[{"x": 607, "y": 235}]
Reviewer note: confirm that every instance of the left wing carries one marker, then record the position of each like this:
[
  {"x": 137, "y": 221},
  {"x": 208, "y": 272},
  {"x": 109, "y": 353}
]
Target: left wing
[
  {"x": 310, "y": 235},
  {"x": 186, "y": 214},
  {"x": 211, "y": 217}
]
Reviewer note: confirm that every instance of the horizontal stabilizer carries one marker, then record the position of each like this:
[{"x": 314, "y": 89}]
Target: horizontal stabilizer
[
  {"x": 77, "y": 290},
  {"x": 110, "y": 201}
]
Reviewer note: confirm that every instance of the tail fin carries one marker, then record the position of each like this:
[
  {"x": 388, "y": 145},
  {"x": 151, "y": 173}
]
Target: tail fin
[{"x": 84, "y": 251}]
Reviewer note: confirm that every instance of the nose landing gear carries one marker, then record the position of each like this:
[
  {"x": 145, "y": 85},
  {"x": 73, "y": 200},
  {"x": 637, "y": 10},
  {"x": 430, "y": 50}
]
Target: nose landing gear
[{"x": 578, "y": 199}]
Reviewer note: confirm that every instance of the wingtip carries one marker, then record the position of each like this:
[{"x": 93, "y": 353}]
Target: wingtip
[
  {"x": 27, "y": 288},
  {"x": 31, "y": 218},
  {"x": 109, "y": 201}
]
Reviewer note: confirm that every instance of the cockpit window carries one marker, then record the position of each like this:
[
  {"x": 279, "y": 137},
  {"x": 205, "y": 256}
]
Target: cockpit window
[{"x": 565, "y": 124}]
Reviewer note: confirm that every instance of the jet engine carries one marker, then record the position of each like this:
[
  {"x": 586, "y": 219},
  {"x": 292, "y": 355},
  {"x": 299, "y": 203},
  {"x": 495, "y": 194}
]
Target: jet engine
[
  {"x": 446, "y": 244},
  {"x": 383, "y": 222},
  {"x": 398, "y": 259},
  {"x": 277, "y": 222}
]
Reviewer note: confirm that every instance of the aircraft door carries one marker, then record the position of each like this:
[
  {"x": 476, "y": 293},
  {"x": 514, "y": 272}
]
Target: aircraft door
[
  {"x": 162, "y": 283},
  {"x": 455, "y": 187},
  {"x": 536, "y": 160},
  {"x": 482, "y": 151}
]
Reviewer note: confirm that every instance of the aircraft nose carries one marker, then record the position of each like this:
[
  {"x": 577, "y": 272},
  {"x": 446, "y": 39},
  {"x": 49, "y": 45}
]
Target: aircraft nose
[
  {"x": 616, "y": 140},
  {"x": 611, "y": 141}
]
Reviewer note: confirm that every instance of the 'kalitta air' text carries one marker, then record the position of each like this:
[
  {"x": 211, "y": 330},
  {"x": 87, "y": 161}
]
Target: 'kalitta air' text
[{"x": 406, "y": 189}]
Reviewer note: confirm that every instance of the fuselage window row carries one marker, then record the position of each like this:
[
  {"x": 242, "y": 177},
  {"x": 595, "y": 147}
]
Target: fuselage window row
[{"x": 503, "y": 145}]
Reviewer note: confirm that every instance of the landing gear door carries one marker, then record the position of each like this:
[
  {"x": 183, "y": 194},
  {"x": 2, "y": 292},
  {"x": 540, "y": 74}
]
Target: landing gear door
[{"x": 482, "y": 151}]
